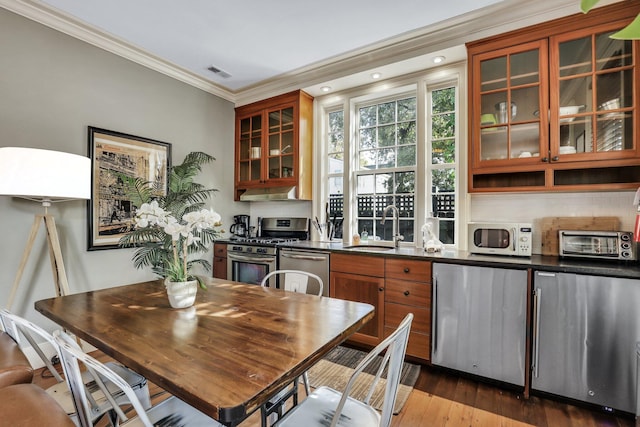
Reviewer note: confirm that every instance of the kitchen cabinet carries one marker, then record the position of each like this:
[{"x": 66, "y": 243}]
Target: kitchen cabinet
[
  {"x": 554, "y": 107},
  {"x": 395, "y": 287},
  {"x": 273, "y": 144},
  {"x": 585, "y": 334},
  {"x": 361, "y": 278},
  {"x": 408, "y": 290},
  {"x": 220, "y": 260},
  {"x": 480, "y": 321}
]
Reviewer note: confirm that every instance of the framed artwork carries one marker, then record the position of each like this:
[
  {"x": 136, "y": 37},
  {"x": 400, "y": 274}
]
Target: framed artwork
[{"x": 110, "y": 212}]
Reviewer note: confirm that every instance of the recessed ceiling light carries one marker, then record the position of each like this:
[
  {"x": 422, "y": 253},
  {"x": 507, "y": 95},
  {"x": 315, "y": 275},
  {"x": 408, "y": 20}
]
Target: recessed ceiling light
[
  {"x": 438, "y": 59},
  {"x": 325, "y": 88},
  {"x": 376, "y": 75}
]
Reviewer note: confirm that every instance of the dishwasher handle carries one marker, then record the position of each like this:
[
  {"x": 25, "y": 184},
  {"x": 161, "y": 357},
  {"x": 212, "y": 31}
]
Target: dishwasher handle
[{"x": 305, "y": 257}]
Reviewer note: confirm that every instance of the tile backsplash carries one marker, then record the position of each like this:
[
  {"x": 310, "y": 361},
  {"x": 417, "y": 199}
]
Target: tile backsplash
[
  {"x": 516, "y": 207},
  {"x": 533, "y": 207}
]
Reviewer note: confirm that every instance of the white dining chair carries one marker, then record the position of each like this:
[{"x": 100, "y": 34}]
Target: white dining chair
[
  {"x": 170, "y": 412},
  {"x": 328, "y": 407},
  {"x": 100, "y": 404},
  {"x": 296, "y": 281},
  {"x": 293, "y": 281}
]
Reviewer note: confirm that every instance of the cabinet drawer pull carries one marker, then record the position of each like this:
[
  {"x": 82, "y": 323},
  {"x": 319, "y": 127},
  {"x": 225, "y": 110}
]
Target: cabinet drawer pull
[
  {"x": 406, "y": 269},
  {"x": 406, "y": 293},
  {"x": 381, "y": 289}
]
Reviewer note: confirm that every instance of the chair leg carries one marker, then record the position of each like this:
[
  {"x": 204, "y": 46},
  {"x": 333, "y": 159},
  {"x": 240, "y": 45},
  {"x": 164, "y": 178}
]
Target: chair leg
[{"x": 305, "y": 379}]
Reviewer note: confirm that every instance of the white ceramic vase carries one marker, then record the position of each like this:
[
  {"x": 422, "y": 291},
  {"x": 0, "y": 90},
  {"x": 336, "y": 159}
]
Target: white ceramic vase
[{"x": 181, "y": 294}]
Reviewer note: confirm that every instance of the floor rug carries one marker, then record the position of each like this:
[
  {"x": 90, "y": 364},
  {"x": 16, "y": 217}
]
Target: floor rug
[{"x": 336, "y": 368}]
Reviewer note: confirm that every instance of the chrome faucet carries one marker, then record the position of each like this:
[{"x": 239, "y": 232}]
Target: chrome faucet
[{"x": 396, "y": 226}]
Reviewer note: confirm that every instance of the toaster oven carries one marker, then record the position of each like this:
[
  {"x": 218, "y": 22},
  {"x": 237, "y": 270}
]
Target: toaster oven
[{"x": 613, "y": 245}]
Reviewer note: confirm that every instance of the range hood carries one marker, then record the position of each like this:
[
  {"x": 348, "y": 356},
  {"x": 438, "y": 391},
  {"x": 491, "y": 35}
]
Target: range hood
[{"x": 271, "y": 193}]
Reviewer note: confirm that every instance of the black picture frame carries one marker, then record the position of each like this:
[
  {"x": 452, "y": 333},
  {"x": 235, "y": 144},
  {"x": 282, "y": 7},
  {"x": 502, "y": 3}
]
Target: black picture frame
[{"x": 109, "y": 212}]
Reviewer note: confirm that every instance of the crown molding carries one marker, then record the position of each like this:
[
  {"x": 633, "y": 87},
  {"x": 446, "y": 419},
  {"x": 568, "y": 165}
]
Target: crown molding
[
  {"x": 492, "y": 20},
  {"x": 52, "y": 18},
  {"x": 496, "y": 19}
]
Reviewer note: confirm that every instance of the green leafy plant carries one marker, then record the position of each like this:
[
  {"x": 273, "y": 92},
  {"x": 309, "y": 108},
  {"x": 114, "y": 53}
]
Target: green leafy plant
[
  {"x": 169, "y": 231},
  {"x": 630, "y": 32}
]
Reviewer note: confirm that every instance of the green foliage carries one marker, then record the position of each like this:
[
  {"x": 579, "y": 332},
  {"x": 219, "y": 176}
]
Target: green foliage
[
  {"x": 154, "y": 247},
  {"x": 630, "y": 32},
  {"x": 587, "y": 5}
]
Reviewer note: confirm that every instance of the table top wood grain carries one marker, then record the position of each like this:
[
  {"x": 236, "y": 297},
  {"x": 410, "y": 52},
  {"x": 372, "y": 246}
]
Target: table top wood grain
[{"x": 226, "y": 355}]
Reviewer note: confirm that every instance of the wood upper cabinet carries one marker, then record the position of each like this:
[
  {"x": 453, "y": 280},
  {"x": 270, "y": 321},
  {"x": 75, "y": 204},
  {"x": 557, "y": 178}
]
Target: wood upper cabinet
[
  {"x": 360, "y": 278},
  {"x": 512, "y": 85},
  {"x": 554, "y": 107},
  {"x": 273, "y": 144}
]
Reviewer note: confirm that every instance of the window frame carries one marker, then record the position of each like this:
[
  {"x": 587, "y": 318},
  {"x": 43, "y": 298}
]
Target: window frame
[
  {"x": 358, "y": 172},
  {"x": 420, "y": 83}
]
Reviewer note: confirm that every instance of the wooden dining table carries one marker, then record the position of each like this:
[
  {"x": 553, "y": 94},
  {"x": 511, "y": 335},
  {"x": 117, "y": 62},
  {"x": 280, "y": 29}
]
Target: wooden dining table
[{"x": 228, "y": 354}]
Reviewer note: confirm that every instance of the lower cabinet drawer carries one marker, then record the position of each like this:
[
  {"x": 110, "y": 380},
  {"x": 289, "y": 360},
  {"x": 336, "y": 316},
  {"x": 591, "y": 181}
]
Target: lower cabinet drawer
[
  {"x": 410, "y": 293},
  {"x": 394, "y": 313},
  {"x": 418, "y": 345},
  {"x": 220, "y": 268}
]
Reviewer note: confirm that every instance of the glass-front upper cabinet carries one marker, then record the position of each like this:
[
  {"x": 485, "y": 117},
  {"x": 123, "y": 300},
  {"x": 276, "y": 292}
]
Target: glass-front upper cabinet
[
  {"x": 513, "y": 87},
  {"x": 273, "y": 146},
  {"x": 278, "y": 154},
  {"x": 281, "y": 143},
  {"x": 593, "y": 112},
  {"x": 250, "y": 148}
]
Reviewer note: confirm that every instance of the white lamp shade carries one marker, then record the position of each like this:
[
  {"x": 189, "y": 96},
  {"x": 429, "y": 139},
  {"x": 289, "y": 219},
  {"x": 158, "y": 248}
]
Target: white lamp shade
[{"x": 44, "y": 174}]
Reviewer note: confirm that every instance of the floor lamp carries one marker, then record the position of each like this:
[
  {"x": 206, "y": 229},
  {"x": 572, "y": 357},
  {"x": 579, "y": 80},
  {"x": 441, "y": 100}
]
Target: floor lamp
[{"x": 44, "y": 176}]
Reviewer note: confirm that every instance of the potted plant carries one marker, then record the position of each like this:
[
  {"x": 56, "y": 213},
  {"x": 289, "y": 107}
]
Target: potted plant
[{"x": 170, "y": 231}]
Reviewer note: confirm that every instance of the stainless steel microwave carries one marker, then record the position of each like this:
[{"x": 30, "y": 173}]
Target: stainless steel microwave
[
  {"x": 614, "y": 245},
  {"x": 500, "y": 238}
]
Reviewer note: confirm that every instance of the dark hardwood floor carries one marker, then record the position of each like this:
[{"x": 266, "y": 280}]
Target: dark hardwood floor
[{"x": 442, "y": 399}]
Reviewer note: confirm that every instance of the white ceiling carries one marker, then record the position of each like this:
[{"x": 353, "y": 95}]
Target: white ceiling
[{"x": 270, "y": 46}]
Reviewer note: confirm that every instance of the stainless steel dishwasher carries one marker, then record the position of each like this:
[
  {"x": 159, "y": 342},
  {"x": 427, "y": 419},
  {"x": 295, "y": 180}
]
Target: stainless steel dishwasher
[
  {"x": 312, "y": 261},
  {"x": 479, "y": 320}
]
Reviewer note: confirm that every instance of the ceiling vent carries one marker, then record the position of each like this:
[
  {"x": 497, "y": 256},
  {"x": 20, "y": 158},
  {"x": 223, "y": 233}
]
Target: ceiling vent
[{"x": 219, "y": 72}]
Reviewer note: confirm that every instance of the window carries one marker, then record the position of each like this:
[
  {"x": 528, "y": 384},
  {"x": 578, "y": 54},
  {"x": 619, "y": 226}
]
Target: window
[
  {"x": 443, "y": 160},
  {"x": 385, "y": 172},
  {"x": 399, "y": 148},
  {"x": 335, "y": 137}
]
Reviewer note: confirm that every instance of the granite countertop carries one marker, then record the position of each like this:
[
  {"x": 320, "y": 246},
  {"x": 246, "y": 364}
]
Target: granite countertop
[{"x": 537, "y": 262}]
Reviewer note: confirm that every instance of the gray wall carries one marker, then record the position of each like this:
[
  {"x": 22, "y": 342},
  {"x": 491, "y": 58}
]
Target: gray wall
[{"x": 52, "y": 87}]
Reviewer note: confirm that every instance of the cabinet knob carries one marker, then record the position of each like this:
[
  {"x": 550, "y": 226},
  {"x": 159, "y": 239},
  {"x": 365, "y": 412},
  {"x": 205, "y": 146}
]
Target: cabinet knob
[
  {"x": 381, "y": 289},
  {"x": 555, "y": 158},
  {"x": 406, "y": 269},
  {"x": 406, "y": 293},
  {"x": 545, "y": 160}
]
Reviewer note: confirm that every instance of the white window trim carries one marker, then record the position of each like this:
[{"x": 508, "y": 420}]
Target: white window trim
[{"x": 348, "y": 101}]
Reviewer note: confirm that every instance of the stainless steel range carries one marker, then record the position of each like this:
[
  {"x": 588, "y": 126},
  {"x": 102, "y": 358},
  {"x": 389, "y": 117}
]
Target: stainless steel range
[{"x": 250, "y": 259}]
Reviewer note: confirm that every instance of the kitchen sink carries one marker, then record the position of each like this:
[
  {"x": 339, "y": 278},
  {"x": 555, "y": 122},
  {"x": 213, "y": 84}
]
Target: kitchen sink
[{"x": 370, "y": 248}]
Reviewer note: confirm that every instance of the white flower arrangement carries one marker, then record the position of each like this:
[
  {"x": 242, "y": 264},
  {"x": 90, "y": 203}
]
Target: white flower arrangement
[{"x": 168, "y": 230}]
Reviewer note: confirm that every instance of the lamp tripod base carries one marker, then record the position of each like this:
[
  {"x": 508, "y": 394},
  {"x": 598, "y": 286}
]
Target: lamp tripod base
[{"x": 55, "y": 256}]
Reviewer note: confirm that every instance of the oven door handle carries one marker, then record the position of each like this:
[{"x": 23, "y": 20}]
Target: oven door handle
[
  {"x": 250, "y": 259},
  {"x": 306, "y": 257}
]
